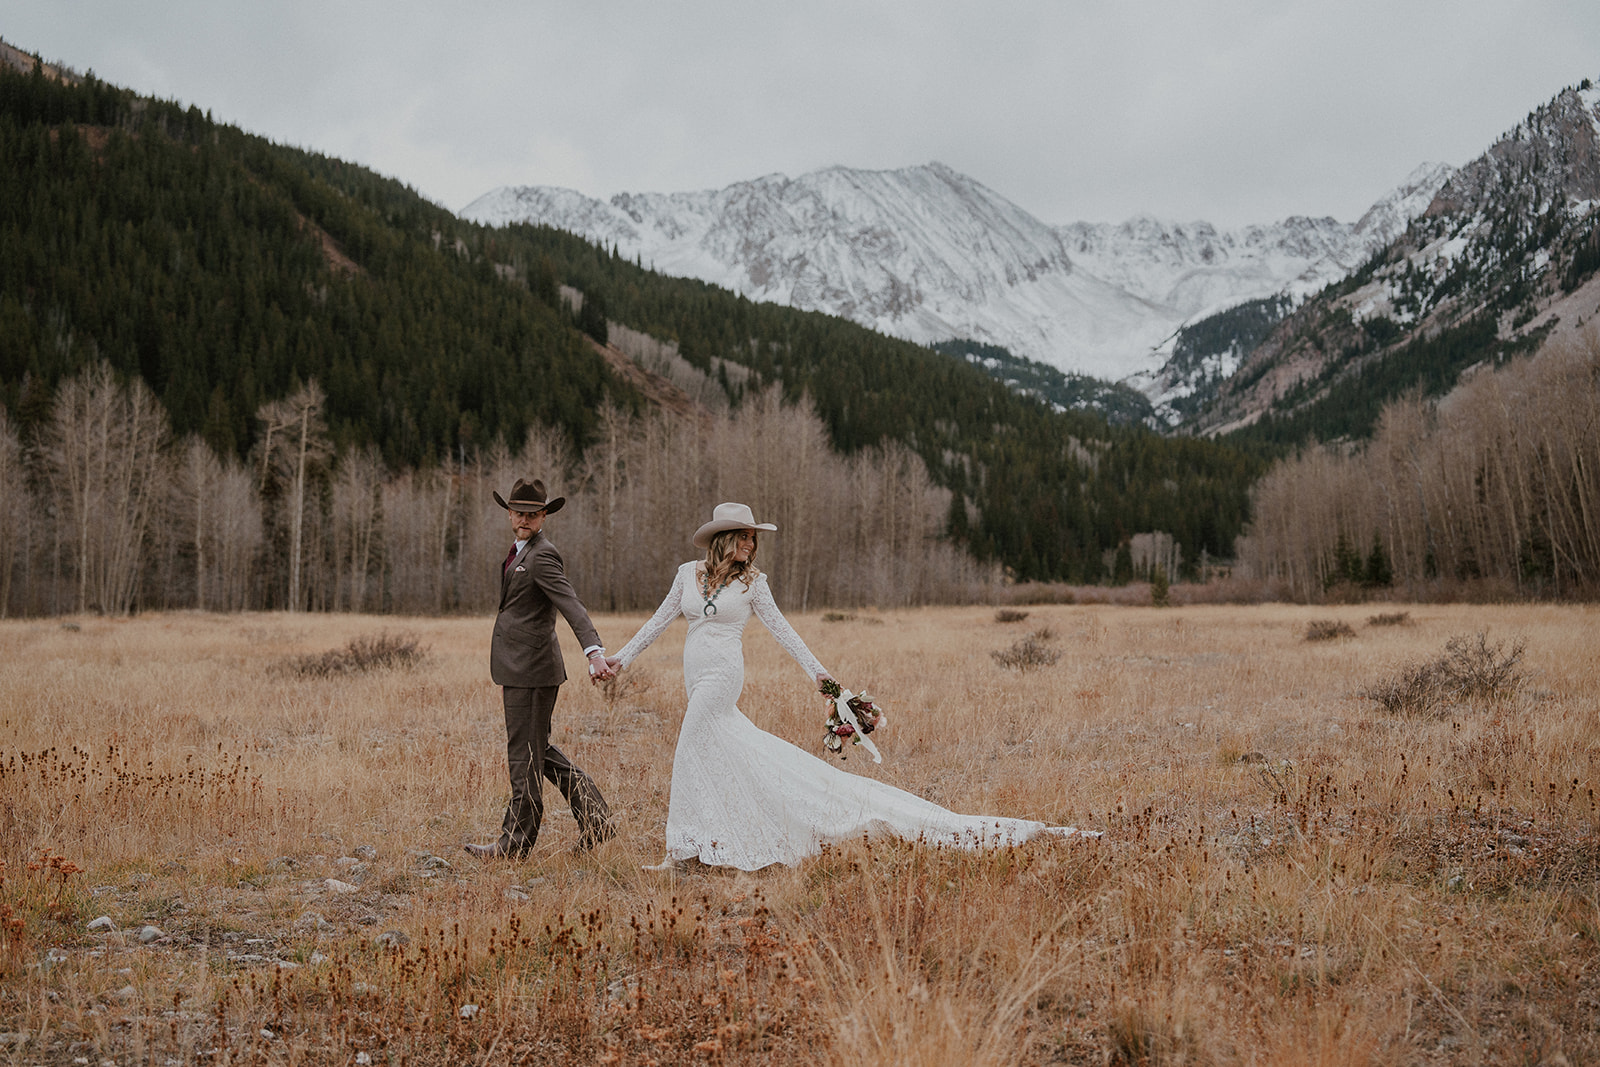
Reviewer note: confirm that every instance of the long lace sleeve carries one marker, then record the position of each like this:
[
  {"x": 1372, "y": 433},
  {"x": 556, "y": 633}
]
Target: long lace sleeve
[
  {"x": 766, "y": 609},
  {"x": 670, "y": 609}
]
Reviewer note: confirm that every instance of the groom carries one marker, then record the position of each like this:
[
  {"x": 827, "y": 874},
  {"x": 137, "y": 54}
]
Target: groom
[{"x": 525, "y": 660}]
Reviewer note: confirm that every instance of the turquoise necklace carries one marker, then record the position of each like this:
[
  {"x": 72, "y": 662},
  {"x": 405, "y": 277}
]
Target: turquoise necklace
[{"x": 709, "y": 596}]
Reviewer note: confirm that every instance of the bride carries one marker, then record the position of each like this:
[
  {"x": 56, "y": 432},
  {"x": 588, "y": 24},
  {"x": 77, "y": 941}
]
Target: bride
[{"x": 741, "y": 797}]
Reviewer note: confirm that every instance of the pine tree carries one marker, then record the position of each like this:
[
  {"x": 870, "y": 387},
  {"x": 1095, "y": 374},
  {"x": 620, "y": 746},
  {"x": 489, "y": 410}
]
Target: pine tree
[
  {"x": 1122, "y": 570},
  {"x": 592, "y": 316},
  {"x": 1379, "y": 573}
]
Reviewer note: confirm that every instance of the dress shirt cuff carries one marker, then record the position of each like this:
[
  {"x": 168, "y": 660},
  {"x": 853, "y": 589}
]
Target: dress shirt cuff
[{"x": 592, "y": 649}]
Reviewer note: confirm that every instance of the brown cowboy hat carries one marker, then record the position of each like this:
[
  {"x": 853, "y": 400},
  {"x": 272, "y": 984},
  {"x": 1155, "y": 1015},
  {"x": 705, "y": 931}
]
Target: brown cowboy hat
[
  {"x": 530, "y": 496},
  {"x": 728, "y": 517}
]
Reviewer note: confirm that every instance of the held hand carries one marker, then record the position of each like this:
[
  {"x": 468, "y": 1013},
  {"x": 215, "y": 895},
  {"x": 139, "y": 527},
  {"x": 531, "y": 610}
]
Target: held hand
[
  {"x": 600, "y": 668},
  {"x": 823, "y": 677}
]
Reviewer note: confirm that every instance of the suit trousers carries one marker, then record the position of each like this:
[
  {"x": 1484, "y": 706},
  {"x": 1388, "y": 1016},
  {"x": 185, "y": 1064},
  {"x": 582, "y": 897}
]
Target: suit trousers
[{"x": 530, "y": 756}]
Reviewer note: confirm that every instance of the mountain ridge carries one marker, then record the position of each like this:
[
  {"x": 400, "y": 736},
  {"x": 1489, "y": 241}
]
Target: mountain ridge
[{"x": 1504, "y": 258}]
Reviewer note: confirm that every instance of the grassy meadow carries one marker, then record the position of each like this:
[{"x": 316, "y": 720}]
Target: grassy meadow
[{"x": 1293, "y": 870}]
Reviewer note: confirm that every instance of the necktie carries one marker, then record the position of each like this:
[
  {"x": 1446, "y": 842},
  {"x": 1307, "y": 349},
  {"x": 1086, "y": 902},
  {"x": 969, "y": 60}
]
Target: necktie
[{"x": 509, "y": 557}]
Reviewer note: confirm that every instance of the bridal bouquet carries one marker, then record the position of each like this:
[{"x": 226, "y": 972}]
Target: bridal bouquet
[{"x": 851, "y": 716}]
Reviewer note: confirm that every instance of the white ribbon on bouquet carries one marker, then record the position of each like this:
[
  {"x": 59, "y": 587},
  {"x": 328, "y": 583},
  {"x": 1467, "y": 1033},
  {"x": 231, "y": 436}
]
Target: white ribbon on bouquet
[{"x": 842, "y": 703}]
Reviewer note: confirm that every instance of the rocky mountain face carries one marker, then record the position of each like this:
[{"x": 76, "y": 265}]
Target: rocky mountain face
[
  {"x": 928, "y": 254},
  {"x": 1504, "y": 256}
]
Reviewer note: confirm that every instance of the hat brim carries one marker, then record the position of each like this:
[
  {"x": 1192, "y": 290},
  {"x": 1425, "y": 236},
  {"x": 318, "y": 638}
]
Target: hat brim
[
  {"x": 549, "y": 507},
  {"x": 703, "y": 536}
]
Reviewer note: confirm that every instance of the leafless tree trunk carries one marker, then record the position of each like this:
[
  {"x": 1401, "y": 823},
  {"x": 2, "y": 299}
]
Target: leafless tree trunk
[
  {"x": 358, "y": 479},
  {"x": 294, "y": 437},
  {"x": 13, "y": 509},
  {"x": 107, "y": 445}
]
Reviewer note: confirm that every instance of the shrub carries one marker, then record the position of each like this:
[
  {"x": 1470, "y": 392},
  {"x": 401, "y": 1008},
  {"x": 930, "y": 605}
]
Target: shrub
[
  {"x": 1471, "y": 669},
  {"x": 1398, "y": 618},
  {"x": 1414, "y": 691},
  {"x": 362, "y": 654},
  {"x": 1009, "y": 615},
  {"x": 1327, "y": 630},
  {"x": 1029, "y": 652}
]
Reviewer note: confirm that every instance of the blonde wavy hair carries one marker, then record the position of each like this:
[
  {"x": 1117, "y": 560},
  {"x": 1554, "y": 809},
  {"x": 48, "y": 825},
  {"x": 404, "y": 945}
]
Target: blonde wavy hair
[{"x": 721, "y": 567}]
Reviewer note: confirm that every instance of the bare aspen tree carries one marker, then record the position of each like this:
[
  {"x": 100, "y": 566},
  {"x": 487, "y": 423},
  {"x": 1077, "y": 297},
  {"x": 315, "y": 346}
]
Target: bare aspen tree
[
  {"x": 238, "y": 534},
  {"x": 664, "y": 502},
  {"x": 442, "y": 514},
  {"x": 13, "y": 509},
  {"x": 214, "y": 504},
  {"x": 106, "y": 445},
  {"x": 199, "y": 477},
  {"x": 293, "y": 438},
  {"x": 813, "y": 473},
  {"x": 357, "y": 491},
  {"x": 604, "y": 465},
  {"x": 483, "y": 541},
  {"x": 417, "y": 512}
]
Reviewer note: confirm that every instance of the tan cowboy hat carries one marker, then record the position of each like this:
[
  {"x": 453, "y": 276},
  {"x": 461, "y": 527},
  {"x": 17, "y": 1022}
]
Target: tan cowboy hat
[
  {"x": 530, "y": 496},
  {"x": 728, "y": 517}
]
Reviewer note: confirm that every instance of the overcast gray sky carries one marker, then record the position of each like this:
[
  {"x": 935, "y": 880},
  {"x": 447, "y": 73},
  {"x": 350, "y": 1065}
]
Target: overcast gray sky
[{"x": 1228, "y": 110}]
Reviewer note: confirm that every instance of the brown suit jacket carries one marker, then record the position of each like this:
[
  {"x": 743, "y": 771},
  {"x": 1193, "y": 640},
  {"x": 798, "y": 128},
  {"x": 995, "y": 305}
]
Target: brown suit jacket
[{"x": 524, "y": 651}]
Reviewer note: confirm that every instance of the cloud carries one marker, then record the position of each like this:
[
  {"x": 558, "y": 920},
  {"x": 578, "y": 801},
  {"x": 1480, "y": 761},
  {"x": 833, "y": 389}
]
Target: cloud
[{"x": 1232, "y": 111}]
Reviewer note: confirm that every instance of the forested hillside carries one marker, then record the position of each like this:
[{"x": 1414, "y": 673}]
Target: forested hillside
[
  {"x": 225, "y": 271},
  {"x": 228, "y": 274}
]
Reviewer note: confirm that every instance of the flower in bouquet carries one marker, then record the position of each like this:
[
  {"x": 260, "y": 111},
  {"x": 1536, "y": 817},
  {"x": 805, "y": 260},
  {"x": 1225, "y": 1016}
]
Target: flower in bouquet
[
  {"x": 867, "y": 713},
  {"x": 850, "y": 716}
]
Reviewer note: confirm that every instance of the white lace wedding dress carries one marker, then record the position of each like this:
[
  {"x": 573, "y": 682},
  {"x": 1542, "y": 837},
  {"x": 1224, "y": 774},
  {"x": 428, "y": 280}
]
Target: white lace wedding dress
[{"x": 744, "y": 798}]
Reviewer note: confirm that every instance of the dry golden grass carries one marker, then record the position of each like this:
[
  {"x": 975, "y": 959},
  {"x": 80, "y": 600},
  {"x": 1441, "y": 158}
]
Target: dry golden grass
[{"x": 1289, "y": 874}]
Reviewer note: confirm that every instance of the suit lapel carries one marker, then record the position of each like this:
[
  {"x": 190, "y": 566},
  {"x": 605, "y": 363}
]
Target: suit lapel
[{"x": 517, "y": 560}]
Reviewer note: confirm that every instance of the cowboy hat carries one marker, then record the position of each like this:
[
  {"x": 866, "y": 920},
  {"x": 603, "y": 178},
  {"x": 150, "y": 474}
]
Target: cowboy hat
[
  {"x": 530, "y": 497},
  {"x": 728, "y": 517}
]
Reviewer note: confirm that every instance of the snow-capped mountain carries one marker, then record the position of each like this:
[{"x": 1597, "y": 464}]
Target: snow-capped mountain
[
  {"x": 1504, "y": 258},
  {"x": 929, "y": 254}
]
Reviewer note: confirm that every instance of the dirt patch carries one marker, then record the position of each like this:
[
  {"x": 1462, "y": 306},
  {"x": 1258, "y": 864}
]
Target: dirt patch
[
  {"x": 655, "y": 388},
  {"x": 338, "y": 262}
]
